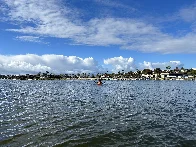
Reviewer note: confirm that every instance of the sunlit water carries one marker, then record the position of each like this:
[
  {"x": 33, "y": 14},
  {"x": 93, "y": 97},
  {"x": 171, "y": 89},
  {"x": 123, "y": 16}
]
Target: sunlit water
[{"x": 80, "y": 113}]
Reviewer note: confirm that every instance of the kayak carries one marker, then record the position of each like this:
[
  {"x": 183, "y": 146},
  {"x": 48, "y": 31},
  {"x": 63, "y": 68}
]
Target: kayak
[{"x": 99, "y": 83}]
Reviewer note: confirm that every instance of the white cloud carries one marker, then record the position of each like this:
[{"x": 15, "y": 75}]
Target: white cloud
[
  {"x": 188, "y": 14},
  {"x": 163, "y": 65},
  {"x": 114, "y": 4},
  {"x": 120, "y": 63},
  {"x": 35, "y": 39},
  {"x": 49, "y": 18},
  {"x": 113, "y": 31},
  {"x": 31, "y": 63},
  {"x": 168, "y": 45},
  {"x": 127, "y": 64},
  {"x": 146, "y": 65},
  {"x": 56, "y": 19}
]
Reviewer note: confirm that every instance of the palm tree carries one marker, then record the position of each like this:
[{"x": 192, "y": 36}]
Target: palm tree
[{"x": 168, "y": 67}]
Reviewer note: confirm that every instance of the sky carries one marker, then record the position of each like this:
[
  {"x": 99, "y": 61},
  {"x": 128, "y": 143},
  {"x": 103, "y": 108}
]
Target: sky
[{"x": 93, "y": 36}]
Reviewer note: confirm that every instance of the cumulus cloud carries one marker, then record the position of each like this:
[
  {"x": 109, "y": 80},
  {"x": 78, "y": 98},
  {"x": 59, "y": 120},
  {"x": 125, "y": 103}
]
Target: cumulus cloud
[
  {"x": 128, "y": 64},
  {"x": 31, "y": 63},
  {"x": 120, "y": 63},
  {"x": 56, "y": 19},
  {"x": 163, "y": 65}
]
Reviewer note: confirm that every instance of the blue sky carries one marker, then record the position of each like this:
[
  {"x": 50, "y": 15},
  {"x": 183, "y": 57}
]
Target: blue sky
[{"x": 96, "y": 35}]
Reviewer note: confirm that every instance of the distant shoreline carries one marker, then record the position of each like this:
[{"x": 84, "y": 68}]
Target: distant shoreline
[
  {"x": 146, "y": 74},
  {"x": 94, "y": 79}
]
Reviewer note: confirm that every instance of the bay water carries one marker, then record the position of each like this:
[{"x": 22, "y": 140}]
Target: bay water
[{"x": 81, "y": 113}]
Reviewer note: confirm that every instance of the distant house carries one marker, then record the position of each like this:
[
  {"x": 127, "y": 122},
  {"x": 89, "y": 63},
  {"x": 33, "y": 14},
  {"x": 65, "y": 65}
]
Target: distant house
[
  {"x": 147, "y": 76},
  {"x": 176, "y": 75},
  {"x": 164, "y": 75}
]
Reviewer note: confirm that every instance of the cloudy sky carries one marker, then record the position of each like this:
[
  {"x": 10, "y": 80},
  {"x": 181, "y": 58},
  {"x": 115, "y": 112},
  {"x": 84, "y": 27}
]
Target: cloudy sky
[{"x": 70, "y": 36}]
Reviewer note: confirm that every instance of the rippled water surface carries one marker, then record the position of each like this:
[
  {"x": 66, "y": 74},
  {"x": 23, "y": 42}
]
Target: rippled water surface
[{"x": 80, "y": 113}]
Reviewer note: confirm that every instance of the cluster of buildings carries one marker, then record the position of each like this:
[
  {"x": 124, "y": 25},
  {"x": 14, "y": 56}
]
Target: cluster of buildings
[
  {"x": 176, "y": 74},
  {"x": 146, "y": 74},
  {"x": 156, "y": 74}
]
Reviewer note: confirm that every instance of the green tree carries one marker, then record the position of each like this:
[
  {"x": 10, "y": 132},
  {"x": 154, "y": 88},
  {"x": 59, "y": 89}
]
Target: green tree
[
  {"x": 92, "y": 76},
  {"x": 157, "y": 71},
  {"x": 147, "y": 71}
]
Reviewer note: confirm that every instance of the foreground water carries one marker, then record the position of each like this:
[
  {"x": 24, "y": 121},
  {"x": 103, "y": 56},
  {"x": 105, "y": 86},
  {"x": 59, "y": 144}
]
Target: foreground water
[{"x": 80, "y": 113}]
